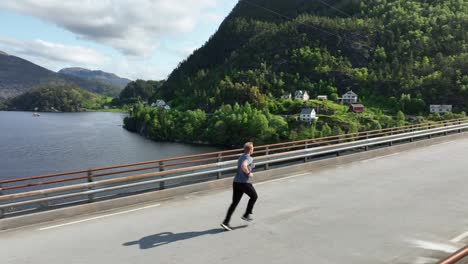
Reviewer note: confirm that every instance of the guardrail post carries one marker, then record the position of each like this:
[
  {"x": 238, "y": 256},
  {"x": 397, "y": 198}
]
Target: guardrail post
[
  {"x": 429, "y": 127},
  {"x": 391, "y": 133},
  {"x": 306, "y": 146},
  {"x": 161, "y": 168},
  {"x": 2, "y": 210},
  {"x": 366, "y": 148},
  {"x": 412, "y": 131},
  {"x": 44, "y": 204},
  {"x": 220, "y": 157},
  {"x": 90, "y": 179},
  {"x": 267, "y": 152}
]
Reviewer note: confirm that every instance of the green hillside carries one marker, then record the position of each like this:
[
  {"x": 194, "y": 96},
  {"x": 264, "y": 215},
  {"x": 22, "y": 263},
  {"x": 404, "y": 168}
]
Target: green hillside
[
  {"x": 57, "y": 98},
  {"x": 396, "y": 54},
  {"x": 18, "y": 75},
  {"x": 399, "y": 56}
]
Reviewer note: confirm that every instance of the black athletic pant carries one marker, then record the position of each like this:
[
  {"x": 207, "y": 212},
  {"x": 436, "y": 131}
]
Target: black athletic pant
[{"x": 238, "y": 189}]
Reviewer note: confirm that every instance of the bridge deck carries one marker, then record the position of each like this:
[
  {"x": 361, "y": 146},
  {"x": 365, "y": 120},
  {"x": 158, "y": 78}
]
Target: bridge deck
[{"x": 402, "y": 208}]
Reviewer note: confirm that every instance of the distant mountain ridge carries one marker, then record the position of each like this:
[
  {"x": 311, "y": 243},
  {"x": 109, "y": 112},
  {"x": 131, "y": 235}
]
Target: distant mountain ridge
[
  {"x": 18, "y": 76},
  {"x": 96, "y": 75}
]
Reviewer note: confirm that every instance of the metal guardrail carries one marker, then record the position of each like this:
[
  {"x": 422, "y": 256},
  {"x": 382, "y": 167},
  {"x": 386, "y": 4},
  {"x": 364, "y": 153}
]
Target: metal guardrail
[
  {"x": 27, "y": 192},
  {"x": 457, "y": 256}
]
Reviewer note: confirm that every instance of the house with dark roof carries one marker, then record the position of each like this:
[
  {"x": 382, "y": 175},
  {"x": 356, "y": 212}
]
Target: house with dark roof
[
  {"x": 308, "y": 114},
  {"x": 301, "y": 95}
]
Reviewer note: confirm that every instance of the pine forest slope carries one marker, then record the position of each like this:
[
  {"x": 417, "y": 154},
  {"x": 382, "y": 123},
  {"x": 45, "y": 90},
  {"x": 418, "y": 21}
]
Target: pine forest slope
[{"x": 396, "y": 54}]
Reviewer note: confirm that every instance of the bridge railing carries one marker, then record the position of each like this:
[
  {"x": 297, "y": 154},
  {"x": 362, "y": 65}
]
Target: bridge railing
[
  {"x": 84, "y": 185},
  {"x": 456, "y": 257}
]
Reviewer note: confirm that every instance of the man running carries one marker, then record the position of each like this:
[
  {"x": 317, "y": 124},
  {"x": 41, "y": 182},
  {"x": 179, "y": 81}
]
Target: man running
[{"x": 242, "y": 185}]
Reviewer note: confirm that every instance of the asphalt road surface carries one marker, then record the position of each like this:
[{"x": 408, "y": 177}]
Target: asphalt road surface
[{"x": 409, "y": 207}]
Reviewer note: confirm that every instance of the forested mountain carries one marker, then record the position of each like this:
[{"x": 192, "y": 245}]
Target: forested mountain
[
  {"x": 57, "y": 98},
  {"x": 96, "y": 76},
  {"x": 396, "y": 54},
  {"x": 18, "y": 76}
]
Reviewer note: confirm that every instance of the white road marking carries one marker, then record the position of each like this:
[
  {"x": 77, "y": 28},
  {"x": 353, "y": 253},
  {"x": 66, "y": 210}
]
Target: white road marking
[
  {"x": 460, "y": 237},
  {"x": 98, "y": 217},
  {"x": 280, "y": 179},
  {"x": 434, "y": 246}
]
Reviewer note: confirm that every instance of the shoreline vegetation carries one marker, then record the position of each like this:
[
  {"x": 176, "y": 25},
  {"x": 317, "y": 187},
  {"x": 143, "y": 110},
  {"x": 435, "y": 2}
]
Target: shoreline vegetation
[
  {"x": 231, "y": 126},
  {"x": 58, "y": 99}
]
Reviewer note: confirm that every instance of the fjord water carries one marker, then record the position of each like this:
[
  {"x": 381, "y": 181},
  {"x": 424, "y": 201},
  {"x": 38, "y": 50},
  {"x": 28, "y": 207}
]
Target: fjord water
[{"x": 57, "y": 142}]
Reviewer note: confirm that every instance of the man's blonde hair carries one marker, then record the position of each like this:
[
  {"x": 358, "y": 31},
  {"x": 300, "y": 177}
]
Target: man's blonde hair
[{"x": 248, "y": 147}]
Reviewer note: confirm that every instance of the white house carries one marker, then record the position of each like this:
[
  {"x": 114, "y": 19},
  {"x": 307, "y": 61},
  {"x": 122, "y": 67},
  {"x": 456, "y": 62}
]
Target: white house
[
  {"x": 286, "y": 96},
  {"x": 301, "y": 95},
  {"x": 161, "y": 104},
  {"x": 350, "y": 98},
  {"x": 440, "y": 108},
  {"x": 322, "y": 97},
  {"x": 308, "y": 114}
]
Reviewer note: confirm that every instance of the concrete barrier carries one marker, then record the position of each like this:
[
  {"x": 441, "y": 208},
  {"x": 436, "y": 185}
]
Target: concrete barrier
[{"x": 260, "y": 176}]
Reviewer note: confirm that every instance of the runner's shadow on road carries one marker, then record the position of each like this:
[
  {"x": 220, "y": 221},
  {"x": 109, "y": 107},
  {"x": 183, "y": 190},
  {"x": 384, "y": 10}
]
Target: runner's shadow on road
[{"x": 165, "y": 238}]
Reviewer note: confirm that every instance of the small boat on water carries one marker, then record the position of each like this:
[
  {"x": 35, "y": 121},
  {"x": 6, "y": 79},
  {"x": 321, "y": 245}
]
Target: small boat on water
[{"x": 36, "y": 114}]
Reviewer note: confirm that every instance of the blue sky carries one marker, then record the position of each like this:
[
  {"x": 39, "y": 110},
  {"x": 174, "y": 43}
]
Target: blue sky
[{"x": 139, "y": 39}]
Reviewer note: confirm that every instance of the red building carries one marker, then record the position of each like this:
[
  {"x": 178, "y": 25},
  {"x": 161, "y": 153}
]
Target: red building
[{"x": 356, "y": 108}]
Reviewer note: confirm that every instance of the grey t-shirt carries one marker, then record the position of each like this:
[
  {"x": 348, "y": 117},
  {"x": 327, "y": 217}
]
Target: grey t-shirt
[{"x": 241, "y": 177}]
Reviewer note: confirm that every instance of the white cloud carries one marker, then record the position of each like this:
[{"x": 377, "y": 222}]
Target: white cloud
[
  {"x": 132, "y": 27},
  {"x": 212, "y": 18},
  {"x": 53, "y": 52},
  {"x": 136, "y": 69},
  {"x": 182, "y": 52}
]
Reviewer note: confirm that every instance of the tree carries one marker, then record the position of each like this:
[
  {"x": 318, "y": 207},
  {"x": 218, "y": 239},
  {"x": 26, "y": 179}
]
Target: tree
[
  {"x": 337, "y": 131},
  {"x": 353, "y": 128},
  {"x": 400, "y": 118},
  {"x": 326, "y": 131},
  {"x": 139, "y": 90}
]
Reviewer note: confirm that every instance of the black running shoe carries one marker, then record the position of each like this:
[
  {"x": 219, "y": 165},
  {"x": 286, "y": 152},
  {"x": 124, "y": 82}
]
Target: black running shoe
[
  {"x": 247, "y": 218},
  {"x": 226, "y": 227}
]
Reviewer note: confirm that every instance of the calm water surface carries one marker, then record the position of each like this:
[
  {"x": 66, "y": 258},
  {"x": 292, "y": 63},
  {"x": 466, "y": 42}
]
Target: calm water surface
[{"x": 56, "y": 142}]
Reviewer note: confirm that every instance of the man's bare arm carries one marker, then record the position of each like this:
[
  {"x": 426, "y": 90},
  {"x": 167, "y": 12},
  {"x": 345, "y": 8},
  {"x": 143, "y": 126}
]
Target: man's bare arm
[{"x": 245, "y": 168}]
